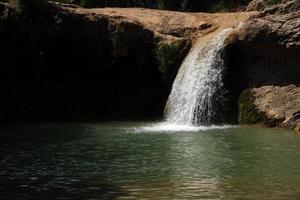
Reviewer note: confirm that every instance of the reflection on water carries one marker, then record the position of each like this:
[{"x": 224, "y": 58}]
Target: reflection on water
[
  {"x": 142, "y": 161},
  {"x": 166, "y": 127}
]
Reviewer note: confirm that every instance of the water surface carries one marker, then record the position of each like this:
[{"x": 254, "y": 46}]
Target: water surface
[{"x": 135, "y": 160}]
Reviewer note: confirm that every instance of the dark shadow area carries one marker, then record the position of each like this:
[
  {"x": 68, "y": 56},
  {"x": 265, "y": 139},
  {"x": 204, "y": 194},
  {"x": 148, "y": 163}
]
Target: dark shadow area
[
  {"x": 37, "y": 190},
  {"x": 67, "y": 67},
  {"x": 52, "y": 161},
  {"x": 256, "y": 64}
]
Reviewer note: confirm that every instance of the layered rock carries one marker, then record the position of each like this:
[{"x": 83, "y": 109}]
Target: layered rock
[
  {"x": 276, "y": 25},
  {"x": 273, "y": 5}
]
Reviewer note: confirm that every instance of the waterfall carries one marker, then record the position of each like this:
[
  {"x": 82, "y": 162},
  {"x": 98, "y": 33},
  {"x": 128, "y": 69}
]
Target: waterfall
[{"x": 198, "y": 93}]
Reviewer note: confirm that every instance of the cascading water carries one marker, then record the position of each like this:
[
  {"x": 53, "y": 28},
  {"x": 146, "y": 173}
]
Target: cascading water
[{"x": 198, "y": 93}]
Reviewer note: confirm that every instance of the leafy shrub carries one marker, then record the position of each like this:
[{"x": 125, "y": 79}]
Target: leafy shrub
[
  {"x": 91, "y": 3},
  {"x": 32, "y": 5},
  {"x": 33, "y": 11}
]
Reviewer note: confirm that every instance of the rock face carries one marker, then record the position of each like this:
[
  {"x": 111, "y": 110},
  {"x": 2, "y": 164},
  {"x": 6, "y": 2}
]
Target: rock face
[
  {"x": 75, "y": 63},
  {"x": 272, "y": 5},
  {"x": 78, "y": 66},
  {"x": 278, "y": 24},
  {"x": 265, "y": 55},
  {"x": 268, "y": 48},
  {"x": 272, "y": 106}
]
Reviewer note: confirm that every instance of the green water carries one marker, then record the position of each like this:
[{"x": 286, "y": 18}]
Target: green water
[{"x": 147, "y": 161}]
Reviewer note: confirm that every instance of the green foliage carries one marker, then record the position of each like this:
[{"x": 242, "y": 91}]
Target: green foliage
[
  {"x": 65, "y": 1},
  {"x": 7, "y": 16},
  {"x": 32, "y": 4},
  {"x": 91, "y": 3},
  {"x": 11, "y": 2},
  {"x": 180, "y": 5},
  {"x": 32, "y": 9},
  {"x": 222, "y": 6},
  {"x": 169, "y": 4},
  {"x": 113, "y": 3}
]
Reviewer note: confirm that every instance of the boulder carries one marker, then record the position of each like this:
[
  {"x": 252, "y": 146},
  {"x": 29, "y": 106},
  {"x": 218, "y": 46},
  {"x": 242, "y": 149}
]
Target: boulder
[{"x": 273, "y": 106}]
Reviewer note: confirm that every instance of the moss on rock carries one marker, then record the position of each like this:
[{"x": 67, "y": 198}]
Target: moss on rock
[
  {"x": 169, "y": 56},
  {"x": 249, "y": 113},
  {"x": 166, "y": 52}
]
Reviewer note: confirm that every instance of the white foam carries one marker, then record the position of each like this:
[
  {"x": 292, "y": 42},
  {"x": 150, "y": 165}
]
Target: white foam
[{"x": 172, "y": 127}]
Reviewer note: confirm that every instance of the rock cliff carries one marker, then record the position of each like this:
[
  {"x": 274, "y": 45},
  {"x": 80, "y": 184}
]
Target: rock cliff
[
  {"x": 76, "y": 63},
  {"x": 266, "y": 54}
]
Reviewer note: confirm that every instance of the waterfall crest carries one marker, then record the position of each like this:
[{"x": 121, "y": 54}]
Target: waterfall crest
[{"x": 198, "y": 89}]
